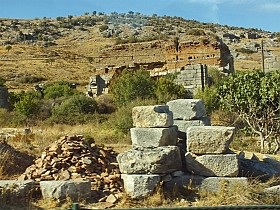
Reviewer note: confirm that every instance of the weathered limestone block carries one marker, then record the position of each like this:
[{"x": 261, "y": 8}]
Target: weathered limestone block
[
  {"x": 152, "y": 116},
  {"x": 255, "y": 168},
  {"x": 154, "y": 137},
  {"x": 182, "y": 182},
  {"x": 60, "y": 190},
  {"x": 209, "y": 139},
  {"x": 140, "y": 185},
  {"x": 214, "y": 184},
  {"x": 187, "y": 109},
  {"x": 13, "y": 190},
  {"x": 150, "y": 160},
  {"x": 183, "y": 125},
  {"x": 213, "y": 165},
  {"x": 274, "y": 190}
]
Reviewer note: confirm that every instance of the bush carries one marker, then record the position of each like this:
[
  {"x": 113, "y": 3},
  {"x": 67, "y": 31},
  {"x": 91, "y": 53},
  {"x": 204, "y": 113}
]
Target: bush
[
  {"x": 166, "y": 90},
  {"x": 2, "y": 82},
  {"x": 76, "y": 109},
  {"x": 131, "y": 85},
  {"x": 121, "y": 120},
  {"x": 58, "y": 90},
  {"x": 195, "y": 32},
  {"x": 28, "y": 106},
  {"x": 30, "y": 79}
]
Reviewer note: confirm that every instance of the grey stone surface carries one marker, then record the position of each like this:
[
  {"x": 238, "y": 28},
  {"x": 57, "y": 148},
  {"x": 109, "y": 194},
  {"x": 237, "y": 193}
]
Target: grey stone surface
[
  {"x": 183, "y": 125},
  {"x": 214, "y": 184},
  {"x": 158, "y": 160},
  {"x": 4, "y": 95},
  {"x": 60, "y": 190},
  {"x": 213, "y": 165},
  {"x": 154, "y": 137},
  {"x": 274, "y": 190},
  {"x": 152, "y": 116},
  {"x": 183, "y": 182},
  {"x": 187, "y": 109},
  {"x": 256, "y": 168},
  {"x": 14, "y": 190},
  {"x": 209, "y": 139},
  {"x": 140, "y": 185}
]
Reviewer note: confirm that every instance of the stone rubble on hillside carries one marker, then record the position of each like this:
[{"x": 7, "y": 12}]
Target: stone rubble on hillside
[{"x": 72, "y": 159}]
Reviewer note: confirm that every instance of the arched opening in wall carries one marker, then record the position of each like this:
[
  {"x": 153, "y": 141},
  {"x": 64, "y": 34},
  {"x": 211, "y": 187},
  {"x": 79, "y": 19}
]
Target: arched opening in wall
[
  {"x": 208, "y": 56},
  {"x": 176, "y": 57},
  {"x": 132, "y": 57},
  {"x": 213, "y": 55},
  {"x": 106, "y": 70},
  {"x": 190, "y": 57}
]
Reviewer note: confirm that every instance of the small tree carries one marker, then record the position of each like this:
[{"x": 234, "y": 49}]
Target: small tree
[
  {"x": 166, "y": 90},
  {"x": 255, "y": 97},
  {"x": 9, "y": 47},
  {"x": 131, "y": 85}
]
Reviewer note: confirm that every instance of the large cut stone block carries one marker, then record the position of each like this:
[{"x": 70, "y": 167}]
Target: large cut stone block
[
  {"x": 152, "y": 116},
  {"x": 154, "y": 137},
  {"x": 187, "y": 109},
  {"x": 213, "y": 165},
  {"x": 209, "y": 139},
  {"x": 214, "y": 184},
  {"x": 183, "y": 125},
  {"x": 150, "y": 160},
  {"x": 14, "y": 191},
  {"x": 181, "y": 183},
  {"x": 60, "y": 190},
  {"x": 140, "y": 185}
]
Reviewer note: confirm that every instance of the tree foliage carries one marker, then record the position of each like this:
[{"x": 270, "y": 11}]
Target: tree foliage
[
  {"x": 255, "y": 97},
  {"x": 166, "y": 90},
  {"x": 58, "y": 90},
  {"x": 131, "y": 85}
]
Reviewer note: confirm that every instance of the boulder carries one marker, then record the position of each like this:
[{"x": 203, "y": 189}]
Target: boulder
[
  {"x": 209, "y": 139},
  {"x": 213, "y": 165},
  {"x": 140, "y": 185},
  {"x": 187, "y": 109},
  {"x": 152, "y": 117},
  {"x": 150, "y": 160},
  {"x": 214, "y": 184},
  {"x": 60, "y": 190},
  {"x": 154, "y": 137},
  {"x": 14, "y": 191}
]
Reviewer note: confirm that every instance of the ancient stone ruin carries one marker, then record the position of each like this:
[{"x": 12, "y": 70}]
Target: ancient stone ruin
[{"x": 200, "y": 156}]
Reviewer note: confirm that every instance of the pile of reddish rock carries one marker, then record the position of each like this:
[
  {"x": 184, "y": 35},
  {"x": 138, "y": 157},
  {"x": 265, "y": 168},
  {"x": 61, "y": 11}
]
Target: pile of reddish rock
[{"x": 73, "y": 158}]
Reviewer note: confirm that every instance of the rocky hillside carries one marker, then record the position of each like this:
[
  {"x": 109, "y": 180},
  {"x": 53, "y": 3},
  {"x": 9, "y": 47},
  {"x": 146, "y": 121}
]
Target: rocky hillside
[{"x": 71, "y": 48}]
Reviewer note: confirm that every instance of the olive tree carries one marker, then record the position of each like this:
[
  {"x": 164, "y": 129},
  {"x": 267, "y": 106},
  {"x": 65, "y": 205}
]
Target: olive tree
[{"x": 255, "y": 97}]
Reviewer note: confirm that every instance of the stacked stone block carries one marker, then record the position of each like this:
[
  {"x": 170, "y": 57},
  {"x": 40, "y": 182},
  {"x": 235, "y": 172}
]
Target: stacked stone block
[
  {"x": 187, "y": 113},
  {"x": 154, "y": 153}
]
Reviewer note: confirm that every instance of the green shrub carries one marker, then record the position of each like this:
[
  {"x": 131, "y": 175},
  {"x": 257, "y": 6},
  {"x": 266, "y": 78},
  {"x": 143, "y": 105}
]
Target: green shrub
[
  {"x": 74, "y": 110},
  {"x": 245, "y": 50},
  {"x": 2, "y": 82},
  {"x": 59, "y": 89},
  {"x": 121, "y": 120},
  {"x": 195, "y": 32},
  {"x": 27, "y": 107},
  {"x": 30, "y": 79},
  {"x": 209, "y": 97},
  {"x": 131, "y": 85},
  {"x": 166, "y": 90}
]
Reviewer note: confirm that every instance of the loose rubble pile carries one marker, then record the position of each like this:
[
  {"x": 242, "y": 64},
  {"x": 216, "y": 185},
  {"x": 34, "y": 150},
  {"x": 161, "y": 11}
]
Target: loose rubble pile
[{"x": 73, "y": 158}]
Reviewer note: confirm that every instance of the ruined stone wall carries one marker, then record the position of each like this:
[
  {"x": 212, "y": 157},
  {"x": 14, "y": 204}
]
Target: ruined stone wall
[
  {"x": 272, "y": 64},
  {"x": 193, "y": 77},
  {"x": 212, "y": 53}
]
